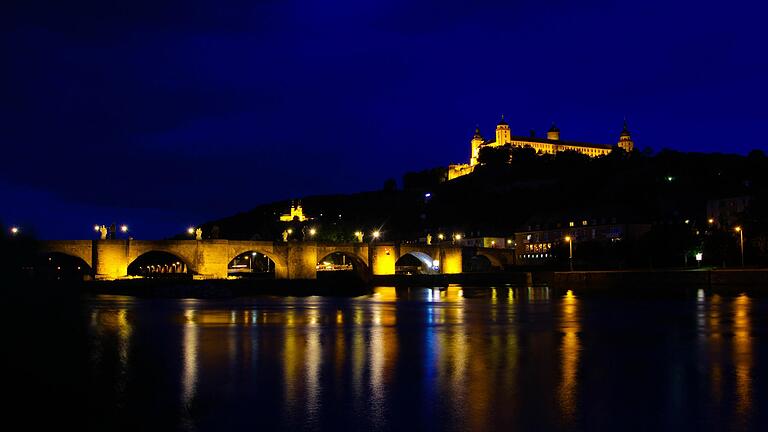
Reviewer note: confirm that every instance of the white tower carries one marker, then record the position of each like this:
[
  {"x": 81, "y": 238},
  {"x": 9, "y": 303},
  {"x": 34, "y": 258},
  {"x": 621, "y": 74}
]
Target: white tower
[
  {"x": 503, "y": 134},
  {"x": 477, "y": 141}
]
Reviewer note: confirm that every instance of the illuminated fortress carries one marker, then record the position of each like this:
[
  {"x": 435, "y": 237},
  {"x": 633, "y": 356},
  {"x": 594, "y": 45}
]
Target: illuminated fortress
[{"x": 549, "y": 145}]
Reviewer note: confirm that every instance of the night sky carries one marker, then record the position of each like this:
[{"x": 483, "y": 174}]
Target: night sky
[{"x": 163, "y": 114}]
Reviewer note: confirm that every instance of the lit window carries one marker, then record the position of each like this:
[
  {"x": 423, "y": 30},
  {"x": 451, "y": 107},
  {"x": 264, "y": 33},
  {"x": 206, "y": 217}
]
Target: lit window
[
  {"x": 583, "y": 222},
  {"x": 570, "y": 224}
]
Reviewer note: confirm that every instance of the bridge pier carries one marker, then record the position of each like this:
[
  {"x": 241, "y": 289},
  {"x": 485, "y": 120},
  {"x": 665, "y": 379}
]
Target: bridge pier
[
  {"x": 383, "y": 258},
  {"x": 211, "y": 259},
  {"x": 450, "y": 260},
  {"x": 302, "y": 261},
  {"x": 110, "y": 258}
]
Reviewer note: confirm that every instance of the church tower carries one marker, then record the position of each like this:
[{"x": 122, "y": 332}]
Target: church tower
[
  {"x": 553, "y": 133},
  {"x": 625, "y": 140},
  {"x": 503, "y": 134},
  {"x": 477, "y": 141}
]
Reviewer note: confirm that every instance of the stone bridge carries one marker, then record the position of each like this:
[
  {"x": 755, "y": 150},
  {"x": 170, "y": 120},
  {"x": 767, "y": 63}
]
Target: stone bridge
[{"x": 210, "y": 259}]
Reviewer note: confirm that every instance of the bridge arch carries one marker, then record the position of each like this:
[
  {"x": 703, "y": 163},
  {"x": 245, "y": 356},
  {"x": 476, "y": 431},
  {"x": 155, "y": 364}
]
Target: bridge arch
[
  {"x": 82, "y": 249},
  {"x": 328, "y": 262},
  {"x": 61, "y": 266},
  {"x": 155, "y": 262},
  {"x": 184, "y": 251},
  {"x": 266, "y": 248},
  {"x": 497, "y": 261},
  {"x": 405, "y": 263},
  {"x": 251, "y": 263},
  {"x": 480, "y": 263}
]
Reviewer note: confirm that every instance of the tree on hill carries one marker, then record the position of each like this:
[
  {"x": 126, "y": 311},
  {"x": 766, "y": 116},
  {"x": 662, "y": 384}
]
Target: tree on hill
[{"x": 495, "y": 156}]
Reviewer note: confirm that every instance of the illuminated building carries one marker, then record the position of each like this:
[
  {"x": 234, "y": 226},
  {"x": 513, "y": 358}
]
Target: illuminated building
[
  {"x": 297, "y": 213},
  {"x": 550, "y": 145},
  {"x": 486, "y": 242},
  {"x": 538, "y": 244}
]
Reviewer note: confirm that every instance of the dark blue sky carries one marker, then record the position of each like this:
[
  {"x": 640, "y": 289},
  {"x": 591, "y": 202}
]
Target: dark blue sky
[{"x": 165, "y": 114}]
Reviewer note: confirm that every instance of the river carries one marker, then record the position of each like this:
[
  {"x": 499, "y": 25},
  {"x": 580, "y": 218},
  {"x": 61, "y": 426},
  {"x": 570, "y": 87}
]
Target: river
[{"x": 407, "y": 359}]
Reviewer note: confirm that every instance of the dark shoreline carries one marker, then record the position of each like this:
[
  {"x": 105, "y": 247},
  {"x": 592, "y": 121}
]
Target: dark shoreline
[{"x": 643, "y": 283}]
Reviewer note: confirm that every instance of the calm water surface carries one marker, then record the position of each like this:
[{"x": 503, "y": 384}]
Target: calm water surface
[{"x": 456, "y": 359}]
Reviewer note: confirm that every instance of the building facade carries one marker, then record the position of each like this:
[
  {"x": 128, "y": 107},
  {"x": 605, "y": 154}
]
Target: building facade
[
  {"x": 539, "y": 245},
  {"x": 296, "y": 213},
  {"x": 549, "y": 145}
]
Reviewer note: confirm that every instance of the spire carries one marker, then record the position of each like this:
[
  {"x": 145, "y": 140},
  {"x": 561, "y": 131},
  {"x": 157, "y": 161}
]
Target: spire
[
  {"x": 502, "y": 122},
  {"x": 477, "y": 133},
  {"x": 625, "y": 140},
  {"x": 553, "y": 128},
  {"x": 625, "y": 130}
]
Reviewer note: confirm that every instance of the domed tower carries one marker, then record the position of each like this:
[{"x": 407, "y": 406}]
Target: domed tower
[
  {"x": 625, "y": 140},
  {"x": 477, "y": 141},
  {"x": 553, "y": 133},
  {"x": 503, "y": 134}
]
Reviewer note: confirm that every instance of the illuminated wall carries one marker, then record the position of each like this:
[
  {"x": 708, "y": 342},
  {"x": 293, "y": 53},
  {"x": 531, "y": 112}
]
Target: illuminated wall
[
  {"x": 459, "y": 170},
  {"x": 383, "y": 259},
  {"x": 450, "y": 260},
  {"x": 111, "y": 259}
]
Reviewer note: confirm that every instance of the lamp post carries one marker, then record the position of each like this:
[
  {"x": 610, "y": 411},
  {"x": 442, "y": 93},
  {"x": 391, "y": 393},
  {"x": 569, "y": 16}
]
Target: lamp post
[
  {"x": 570, "y": 251},
  {"x": 741, "y": 243}
]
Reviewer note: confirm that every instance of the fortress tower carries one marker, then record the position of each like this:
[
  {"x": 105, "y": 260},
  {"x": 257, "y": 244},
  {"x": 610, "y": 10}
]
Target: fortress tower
[
  {"x": 625, "y": 140},
  {"x": 477, "y": 141},
  {"x": 553, "y": 133},
  {"x": 503, "y": 133}
]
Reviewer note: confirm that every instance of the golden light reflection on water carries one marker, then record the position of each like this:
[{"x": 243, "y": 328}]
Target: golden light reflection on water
[
  {"x": 712, "y": 338},
  {"x": 726, "y": 336},
  {"x": 477, "y": 345},
  {"x": 570, "y": 347},
  {"x": 742, "y": 355},
  {"x": 190, "y": 348},
  {"x": 115, "y": 323}
]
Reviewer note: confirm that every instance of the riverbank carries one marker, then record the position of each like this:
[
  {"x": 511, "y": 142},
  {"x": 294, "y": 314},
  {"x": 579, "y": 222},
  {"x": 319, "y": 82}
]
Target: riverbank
[
  {"x": 628, "y": 282},
  {"x": 668, "y": 281},
  {"x": 223, "y": 288},
  {"x": 324, "y": 286}
]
